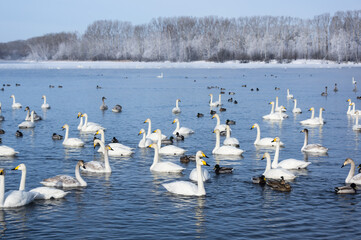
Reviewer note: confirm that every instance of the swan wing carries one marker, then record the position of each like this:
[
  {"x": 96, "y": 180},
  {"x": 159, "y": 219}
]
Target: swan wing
[
  {"x": 277, "y": 173},
  {"x": 172, "y": 150},
  {"x": 18, "y": 198},
  {"x": 317, "y": 148},
  {"x": 231, "y": 141},
  {"x": 167, "y": 167},
  {"x": 48, "y": 193},
  {"x": 356, "y": 179},
  {"x": 93, "y": 166},
  {"x": 182, "y": 188},
  {"x": 228, "y": 150},
  {"x": 7, "y": 151},
  {"x": 60, "y": 181},
  {"x": 293, "y": 164},
  {"x": 194, "y": 176},
  {"x": 73, "y": 142}
]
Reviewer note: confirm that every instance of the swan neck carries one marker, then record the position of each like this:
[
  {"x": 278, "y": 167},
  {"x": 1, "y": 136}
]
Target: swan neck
[
  {"x": 156, "y": 158},
  {"x": 228, "y": 134},
  {"x": 320, "y": 116},
  {"x": 86, "y": 119},
  {"x": 102, "y": 135},
  {"x": 159, "y": 139},
  {"x": 294, "y": 106},
  {"x": 176, "y": 103},
  {"x": 313, "y": 114},
  {"x": 268, "y": 166},
  {"x": 149, "y": 128},
  {"x": 351, "y": 173},
  {"x": 143, "y": 137},
  {"x": 211, "y": 99},
  {"x": 353, "y": 107},
  {"x": 219, "y": 99},
  {"x": 22, "y": 181},
  {"x": 13, "y": 99},
  {"x": 32, "y": 116},
  {"x": 201, "y": 189},
  {"x": 218, "y": 120},
  {"x": 349, "y": 109},
  {"x": 276, "y": 102},
  {"x": 218, "y": 140},
  {"x": 66, "y": 133},
  {"x": 306, "y": 140},
  {"x": 106, "y": 160},
  {"x": 258, "y": 133},
  {"x": 277, "y": 153},
  {"x": 2, "y": 189},
  {"x": 273, "y": 108},
  {"x": 177, "y": 129},
  {"x": 80, "y": 123},
  {"x": 27, "y": 115},
  {"x": 78, "y": 176},
  {"x": 44, "y": 99}
]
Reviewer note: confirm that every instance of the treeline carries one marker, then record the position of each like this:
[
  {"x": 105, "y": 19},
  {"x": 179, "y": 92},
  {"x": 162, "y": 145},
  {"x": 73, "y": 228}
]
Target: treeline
[{"x": 210, "y": 38}]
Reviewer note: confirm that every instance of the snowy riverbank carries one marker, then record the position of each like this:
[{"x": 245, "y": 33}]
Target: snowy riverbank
[{"x": 165, "y": 65}]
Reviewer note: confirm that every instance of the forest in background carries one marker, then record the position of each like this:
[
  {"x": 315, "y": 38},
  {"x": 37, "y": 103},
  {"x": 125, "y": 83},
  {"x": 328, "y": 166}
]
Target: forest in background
[{"x": 212, "y": 38}]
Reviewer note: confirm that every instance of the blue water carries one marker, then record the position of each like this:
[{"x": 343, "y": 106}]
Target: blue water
[{"x": 131, "y": 202}]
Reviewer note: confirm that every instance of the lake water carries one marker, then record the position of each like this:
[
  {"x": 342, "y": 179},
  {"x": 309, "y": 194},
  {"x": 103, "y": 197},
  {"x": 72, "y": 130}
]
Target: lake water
[{"x": 131, "y": 203}]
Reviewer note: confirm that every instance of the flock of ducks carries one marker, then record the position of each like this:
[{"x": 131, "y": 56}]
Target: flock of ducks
[{"x": 275, "y": 175}]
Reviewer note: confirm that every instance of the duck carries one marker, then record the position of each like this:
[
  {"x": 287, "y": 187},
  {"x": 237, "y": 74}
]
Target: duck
[
  {"x": 114, "y": 140},
  {"x": 66, "y": 181},
  {"x": 179, "y": 137},
  {"x": 295, "y": 108},
  {"x": 187, "y": 158},
  {"x": 164, "y": 167},
  {"x": 152, "y": 135},
  {"x": 212, "y": 112},
  {"x": 2, "y": 118},
  {"x": 2, "y": 131},
  {"x": 27, "y": 124},
  {"x": 199, "y": 115},
  {"x": 15, "y": 105},
  {"x": 28, "y": 115},
  {"x": 168, "y": 141},
  {"x": 89, "y": 127},
  {"x": 170, "y": 149},
  {"x": 103, "y": 106},
  {"x": 335, "y": 88},
  {"x": 287, "y": 163},
  {"x": 356, "y": 127},
  {"x": 176, "y": 109},
  {"x": 45, "y": 105},
  {"x": 312, "y": 148},
  {"x": 117, "y": 108},
  {"x": 325, "y": 92},
  {"x": 289, "y": 96},
  {"x": 279, "y": 185},
  {"x": 71, "y": 142},
  {"x": 18, "y": 133},
  {"x": 13, "y": 198},
  {"x": 263, "y": 142},
  {"x": 349, "y": 189},
  {"x": 219, "y": 126},
  {"x": 314, "y": 121},
  {"x": 222, "y": 109},
  {"x": 225, "y": 150},
  {"x": 181, "y": 130},
  {"x": 41, "y": 192},
  {"x": 118, "y": 149},
  {"x": 56, "y": 136},
  {"x": 230, "y": 122},
  {"x": 188, "y": 188},
  {"x": 276, "y": 173},
  {"x": 230, "y": 141},
  {"x": 261, "y": 180},
  {"x": 96, "y": 166},
  {"x": 351, "y": 177},
  {"x": 220, "y": 170},
  {"x": 144, "y": 142}
]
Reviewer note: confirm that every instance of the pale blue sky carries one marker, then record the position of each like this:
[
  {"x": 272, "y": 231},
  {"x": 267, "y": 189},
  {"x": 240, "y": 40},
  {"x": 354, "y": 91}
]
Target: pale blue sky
[{"x": 22, "y": 19}]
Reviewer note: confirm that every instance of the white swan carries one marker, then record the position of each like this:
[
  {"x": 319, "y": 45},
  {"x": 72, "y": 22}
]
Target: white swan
[
  {"x": 118, "y": 149},
  {"x": 279, "y": 108},
  {"x": 313, "y": 120},
  {"x": 152, "y": 135},
  {"x": 276, "y": 173},
  {"x": 176, "y": 109},
  {"x": 189, "y": 188},
  {"x": 144, "y": 142},
  {"x": 351, "y": 177},
  {"x": 66, "y": 181},
  {"x": 194, "y": 175},
  {"x": 71, "y": 142},
  {"x": 28, "y": 124},
  {"x": 356, "y": 127},
  {"x": 13, "y": 198},
  {"x": 349, "y": 107},
  {"x": 289, "y": 96},
  {"x": 15, "y": 104},
  {"x": 170, "y": 149},
  {"x": 219, "y": 126},
  {"x": 214, "y": 104},
  {"x": 230, "y": 141},
  {"x": 354, "y": 110},
  {"x": 81, "y": 123},
  {"x": 312, "y": 148},
  {"x": 287, "y": 163},
  {"x": 90, "y": 127},
  {"x": 6, "y": 151},
  {"x": 96, "y": 166},
  {"x": 42, "y": 192},
  {"x": 225, "y": 150},
  {"x": 263, "y": 142},
  {"x": 295, "y": 108},
  {"x": 273, "y": 115},
  {"x": 45, "y": 105},
  {"x": 181, "y": 130},
  {"x": 164, "y": 167},
  {"x": 160, "y": 76}
]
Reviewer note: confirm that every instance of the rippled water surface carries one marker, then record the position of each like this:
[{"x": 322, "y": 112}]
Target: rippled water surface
[{"x": 131, "y": 203}]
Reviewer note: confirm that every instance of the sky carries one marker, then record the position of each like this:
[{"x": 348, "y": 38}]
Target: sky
[{"x": 23, "y": 19}]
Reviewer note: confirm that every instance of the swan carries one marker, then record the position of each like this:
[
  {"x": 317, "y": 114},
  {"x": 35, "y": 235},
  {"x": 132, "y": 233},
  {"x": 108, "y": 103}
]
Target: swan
[
  {"x": 349, "y": 107},
  {"x": 81, "y": 124},
  {"x": 276, "y": 173},
  {"x": 263, "y": 142},
  {"x": 279, "y": 108},
  {"x": 219, "y": 126},
  {"x": 164, "y": 167},
  {"x": 13, "y": 198},
  {"x": 225, "y": 150},
  {"x": 287, "y": 163},
  {"x": 6, "y": 151},
  {"x": 312, "y": 148},
  {"x": 15, "y": 104},
  {"x": 112, "y": 145},
  {"x": 351, "y": 177},
  {"x": 295, "y": 108},
  {"x": 66, "y": 181},
  {"x": 96, "y": 166},
  {"x": 153, "y": 136},
  {"x": 144, "y": 142},
  {"x": 118, "y": 149},
  {"x": 103, "y": 106},
  {"x": 353, "y": 111},
  {"x": 170, "y": 149},
  {"x": 230, "y": 141},
  {"x": 353, "y": 80},
  {"x": 346, "y": 189},
  {"x": 274, "y": 115},
  {"x": 27, "y": 124},
  {"x": 289, "y": 96},
  {"x": 181, "y": 130},
  {"x": 45, "y": 105},
  {"x": 28, "y": 115},
  {"x": 213, "y": 104},
  {"x": 313, "y": 120},
  {"x": 71, "y": 142},
  {"x": 160, "y": 76},
  {"x": 88, "y": 127},
  {"x": 189, "y": 188},
  {"x": 42, "y": 192},
  {"x": 356, "y": 127},
  {"x": 176, "y": 109},
  {"x": 117, "y": 108},
  {"x": 1, "y": 117}
]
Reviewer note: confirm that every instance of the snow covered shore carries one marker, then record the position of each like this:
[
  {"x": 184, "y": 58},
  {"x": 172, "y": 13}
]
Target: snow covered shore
[{"x": 165, "y": 65}]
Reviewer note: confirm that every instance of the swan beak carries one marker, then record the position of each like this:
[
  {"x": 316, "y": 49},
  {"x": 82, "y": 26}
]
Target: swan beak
[
  {"x": 95, "y": 144},
  {"x": 205, "y": 163},
  {"x": 212, "y": 116},
  {"x": 139, "y": 133},
  {"x": 150, "y": 145},
  {"x": 79, "y": 114},
  {"x": 2, "y": 172},
  {"x": 96, "y": 133},
  {"x": 82, "y": 115},
  {"x": 109, "y": 148},
  {"x": 252, "y": 127},
  {"x": 173, "y": 121},
  {"x": 342, "y": 165},
  {"x": 203, "y": 155},
  {"x": 275, "y": 139},
  {"x": 17, "y": 168},
  {"x": 155, "y": 131}
]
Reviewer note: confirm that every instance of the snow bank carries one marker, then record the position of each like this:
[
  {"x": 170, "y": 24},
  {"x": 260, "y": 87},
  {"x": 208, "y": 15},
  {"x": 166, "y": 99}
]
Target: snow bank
[{"x": 165, "y": 65}]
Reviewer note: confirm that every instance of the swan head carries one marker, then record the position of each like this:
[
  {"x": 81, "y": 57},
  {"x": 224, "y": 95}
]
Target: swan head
[
  {"x": 211, "y": 94},
  {"x": 283, "y": 107},
  {"x": 271, "y": 103},
  {"x": 43, "y": 97},
  {"x": 2, "y": 171},
  {"x": 65, "y": 126},
  {"x": 276, "y": 139},
  {"x": 304, "y": 130},
  {"x": 109, "y": 148},
  {"x": 20, "y": 167},
  {"x": 103, "y": 98},
  {"x": 178, "y": 100},
  {"x": 215, "y": 115},
  {"x": 175, "y": 120},
  {"x": 12, "y": 96},
  {"x": 347, "y": 161},
  {"x": 147, "y": 120},
  {"x": 79, "y": 114},
  {"x": 26, "y": 108},
  {"x": 322, "y": 109},
  {"x": 216, "y": 131},
  {"x": 81, "y": 164},
  {"x": 141, "y": 131},
  {"x": 311, "y": 109},
  {"x": 348, "y": 100},
  {"x": 254, "y": 125},
  {"x": 153, "y": 145},
  {"x": 200, "y": 161},
  {"x": 265, "y": 155}
]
